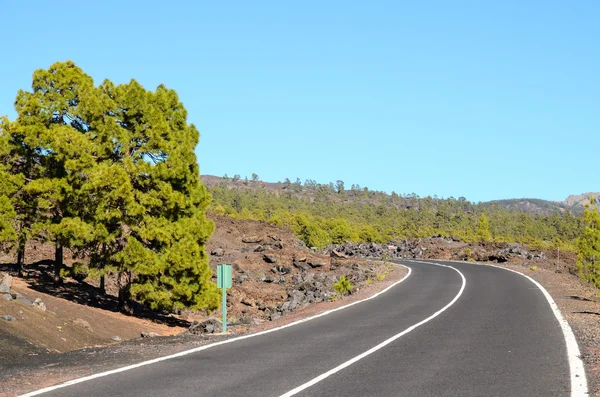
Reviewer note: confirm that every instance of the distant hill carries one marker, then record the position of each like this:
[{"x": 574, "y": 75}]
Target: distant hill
[
  {"x": 574, "y": 203},
  {"x": 537, "y": 206},
  {"x": 580, "y": 199}
]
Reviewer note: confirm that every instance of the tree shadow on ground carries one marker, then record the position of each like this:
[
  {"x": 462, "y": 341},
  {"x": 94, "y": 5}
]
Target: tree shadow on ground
[
  {"x": 587, "y": 312},
  {"x": 579, "y": 298},
  {"x": 39, "y": 277}
]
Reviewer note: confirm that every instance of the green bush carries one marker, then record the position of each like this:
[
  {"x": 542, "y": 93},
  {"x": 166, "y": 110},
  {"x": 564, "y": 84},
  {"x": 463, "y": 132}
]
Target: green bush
[{"x": 343, "y": 286}]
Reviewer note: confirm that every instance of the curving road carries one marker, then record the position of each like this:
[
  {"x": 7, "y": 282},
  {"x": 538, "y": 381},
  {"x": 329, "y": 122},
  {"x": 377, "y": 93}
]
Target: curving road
[{"x": 464, "y": 330}]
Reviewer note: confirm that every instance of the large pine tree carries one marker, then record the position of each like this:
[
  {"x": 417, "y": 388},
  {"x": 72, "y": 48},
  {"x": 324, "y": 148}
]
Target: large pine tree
[
  {"x": 111, "y": 172},
  {"x": 9, "y": 185},
  {"x": 148, "y": 199},
  {"x": 588, "y": 258}
]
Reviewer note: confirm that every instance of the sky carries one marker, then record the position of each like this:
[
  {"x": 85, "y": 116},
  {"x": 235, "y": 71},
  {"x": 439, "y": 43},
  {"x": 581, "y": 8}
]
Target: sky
[{"x": 481, "y": 99}]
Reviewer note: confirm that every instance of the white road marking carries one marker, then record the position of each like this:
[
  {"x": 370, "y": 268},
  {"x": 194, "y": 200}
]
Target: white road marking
[
  {"x": 579, "y": 387},
  {"x": 197, "y": 349},
  {"x": 382, "y": 344}
]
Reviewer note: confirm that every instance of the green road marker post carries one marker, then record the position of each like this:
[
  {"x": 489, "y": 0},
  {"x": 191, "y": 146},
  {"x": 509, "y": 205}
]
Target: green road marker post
[{"x": 224, "y": 282}]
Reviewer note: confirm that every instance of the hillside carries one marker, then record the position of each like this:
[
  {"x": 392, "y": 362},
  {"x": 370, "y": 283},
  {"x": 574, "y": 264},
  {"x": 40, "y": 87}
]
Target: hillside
[
  {"x": 322, "y": 214},
  {"x": 580, "y": 200},
  {"x": 538, "y": 206},
  {"x": 574, "y": 203}
]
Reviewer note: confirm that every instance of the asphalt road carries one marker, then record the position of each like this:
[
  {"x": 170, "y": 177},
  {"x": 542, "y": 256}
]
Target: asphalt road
[{"x": 499, "y": 338}]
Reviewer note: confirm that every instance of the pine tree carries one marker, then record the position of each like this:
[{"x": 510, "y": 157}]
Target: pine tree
[
  {"x": 23, "y": 163},
  {"x": 588, "y": 258},
  {"x": 483, "y": 228},
  {"x": 111, "y": 173},
  {"x": 149, "y": 200},
  {"x": 9, "y": 184},
  {"x": 53, "y": 142}
]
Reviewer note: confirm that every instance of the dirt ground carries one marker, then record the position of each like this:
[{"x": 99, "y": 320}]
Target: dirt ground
[{"x": 79, "y": 316}]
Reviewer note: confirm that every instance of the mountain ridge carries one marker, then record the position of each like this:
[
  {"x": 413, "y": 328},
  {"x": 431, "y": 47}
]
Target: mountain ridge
[{"x": 574, "y": 203}]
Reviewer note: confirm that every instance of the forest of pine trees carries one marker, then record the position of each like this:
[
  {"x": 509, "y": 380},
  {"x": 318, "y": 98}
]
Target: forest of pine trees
[{"x": 322, "y": 214}]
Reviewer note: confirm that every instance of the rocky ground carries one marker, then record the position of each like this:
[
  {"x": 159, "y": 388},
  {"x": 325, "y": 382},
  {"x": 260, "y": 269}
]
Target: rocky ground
[
  {"x": 275, "y": 274},
  {"x": 448, "y": 248}
]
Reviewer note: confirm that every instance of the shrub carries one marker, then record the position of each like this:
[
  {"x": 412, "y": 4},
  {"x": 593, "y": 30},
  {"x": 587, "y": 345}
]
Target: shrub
[{"x": 343, "y": 286}]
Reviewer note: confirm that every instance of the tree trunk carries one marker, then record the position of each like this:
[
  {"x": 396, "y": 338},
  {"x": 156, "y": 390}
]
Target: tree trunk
[
  {"x": 58, "y": 263},
  {"x": 124, "y": 284},
  {"x": 20, "y": 260},
  {"x": 102, "y": 288}
]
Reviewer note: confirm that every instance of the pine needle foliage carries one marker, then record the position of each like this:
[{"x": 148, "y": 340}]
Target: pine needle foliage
[
  {"x": 110, "y": 172},
  {"x": 588, "y": 258},
  {"x": 483, "y": 228}
]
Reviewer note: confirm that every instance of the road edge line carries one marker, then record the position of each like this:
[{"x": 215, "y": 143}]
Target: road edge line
[
  {"x": 386, "y": 342},
  {"x": 205, "y": 347},
  {"x": 579, "y": 384}
]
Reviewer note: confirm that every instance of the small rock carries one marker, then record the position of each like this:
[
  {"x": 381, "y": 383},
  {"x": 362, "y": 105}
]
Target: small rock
[
  {"x": 218, "y": 252},
  {"x": 209, "y": 326},
  {"x": 314, "y": 265},
  {"x": 246, "y": 302},
  {"x": 22, "y": 299},
  {"x": 37, "y": 303},
  {"x": 295, "y": 299},
  {"x": 283, "y": 269},
  {"x": 149, "y": 334},
  {"x": 8, "y": 317},
  {"x": 300, "y": 266},
  {"x": 117, "y": 338},
  {"x": 240, "y": 279},
  {"x": 274, "y": 316},
  {"x": 335, "y": 254},
  {"x": 8, "y": 297},
  {"x": 286, "y": 306},
  {"x": 251, "y": 240},
  {"x": 259, "y": 249},
  {"x": 246, "y": 320},
  {"x": 82, "y": 323},
  {"x": 269, "y": 259},
  {"x": 6, "y": 284}
]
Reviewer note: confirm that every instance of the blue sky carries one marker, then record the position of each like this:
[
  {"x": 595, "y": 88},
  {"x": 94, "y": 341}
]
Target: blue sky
[{"x": 480, "y": 99}]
